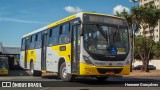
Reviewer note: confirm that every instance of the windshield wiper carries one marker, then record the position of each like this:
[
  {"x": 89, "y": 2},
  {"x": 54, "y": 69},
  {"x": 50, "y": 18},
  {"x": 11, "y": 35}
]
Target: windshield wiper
[{"x": 102, "y": 32}]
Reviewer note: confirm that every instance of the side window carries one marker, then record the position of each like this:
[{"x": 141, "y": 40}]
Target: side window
[
  {"x": 64, "y": 34},
  {"x": 29, "y": 42},
  {"x": 36, "y": 37},
  {"x": 38, "y": 41},
  {"x": 32, "y": 41},
  {"x": 23, "y": 44},
  {"x": 53, "y": 36}
]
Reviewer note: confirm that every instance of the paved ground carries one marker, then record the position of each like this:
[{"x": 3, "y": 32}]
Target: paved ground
[{"x": 81, "y": 83}]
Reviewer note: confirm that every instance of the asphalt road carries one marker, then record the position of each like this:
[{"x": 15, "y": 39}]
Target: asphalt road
[{"x": 81, "y": 83}]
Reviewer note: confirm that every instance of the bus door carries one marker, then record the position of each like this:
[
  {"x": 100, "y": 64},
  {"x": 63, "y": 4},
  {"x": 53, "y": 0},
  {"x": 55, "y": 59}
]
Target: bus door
[
  {"x": 43, "y": 52},
  {"x": 75, "y": 48},
  {"x": 26, "y": 52}
]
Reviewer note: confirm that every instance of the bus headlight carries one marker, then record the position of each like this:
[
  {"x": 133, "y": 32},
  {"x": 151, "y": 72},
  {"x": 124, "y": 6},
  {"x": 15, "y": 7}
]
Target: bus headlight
[
  {"x": 128, "y": 62},
  {"x": 87, "y": 60}
]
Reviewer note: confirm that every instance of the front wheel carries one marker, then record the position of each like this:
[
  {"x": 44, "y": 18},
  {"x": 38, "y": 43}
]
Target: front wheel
[
  {"x": 101, "y": 78},
  {"x": 63, "y": 73}
]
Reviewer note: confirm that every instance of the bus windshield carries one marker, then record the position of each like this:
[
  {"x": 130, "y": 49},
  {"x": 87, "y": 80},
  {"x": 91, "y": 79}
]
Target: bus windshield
[{"x": 106, "y": 40}]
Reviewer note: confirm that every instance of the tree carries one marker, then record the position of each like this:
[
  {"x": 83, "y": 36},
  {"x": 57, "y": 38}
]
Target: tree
[
  {"x": 139, "y": 49},
  {"x": 146, "y": 16},
  {"x": 142, "y": 17}
]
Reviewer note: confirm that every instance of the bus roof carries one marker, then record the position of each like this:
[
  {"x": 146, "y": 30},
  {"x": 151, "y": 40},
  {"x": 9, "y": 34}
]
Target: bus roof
[{"x": 65, "y": 20}]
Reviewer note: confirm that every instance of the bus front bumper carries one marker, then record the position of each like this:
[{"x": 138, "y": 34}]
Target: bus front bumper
[{"x": 86, "y": 69}]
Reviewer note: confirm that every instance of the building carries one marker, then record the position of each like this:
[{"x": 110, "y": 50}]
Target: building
[
  {"x": 157, "y": 29},
  {"x": 12, "y": 53}
]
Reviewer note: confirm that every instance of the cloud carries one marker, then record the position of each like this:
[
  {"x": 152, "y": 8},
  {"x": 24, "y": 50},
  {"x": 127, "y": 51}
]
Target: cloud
[
  {"x": 71, "y": 9},
  {"x": 20, "y": 21},
  {"x": 120, "y": 8}
]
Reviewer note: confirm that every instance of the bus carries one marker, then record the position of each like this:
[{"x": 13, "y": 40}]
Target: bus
[
  {"x": 4, "y": 66},
  {"x": 83, "y": 44}
]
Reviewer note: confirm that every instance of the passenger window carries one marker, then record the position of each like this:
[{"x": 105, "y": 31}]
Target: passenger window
[
  {"x": 38, "y": 41},
  {"x": 23, "y": 44},
  {"x": 64, "y": 34},
  {"x": 36, "y": 37},
  {"x": 53, "y": 36},
  {"x": 32, "y": 41}
]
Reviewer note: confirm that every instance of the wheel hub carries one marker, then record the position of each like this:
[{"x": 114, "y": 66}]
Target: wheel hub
[{"x": 64, "y": 72}]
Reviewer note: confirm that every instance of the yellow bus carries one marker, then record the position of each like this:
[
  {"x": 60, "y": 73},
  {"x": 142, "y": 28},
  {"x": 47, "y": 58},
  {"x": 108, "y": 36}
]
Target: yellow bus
[
  {"x": 83, "y": 44},
  {"x": 4, "y": 66}
]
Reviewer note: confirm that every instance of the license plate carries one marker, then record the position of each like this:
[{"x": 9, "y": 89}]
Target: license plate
[{"x": 109, "y": 73}]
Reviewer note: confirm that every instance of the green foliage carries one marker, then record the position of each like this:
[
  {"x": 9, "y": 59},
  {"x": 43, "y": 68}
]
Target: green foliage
[
  {"x": 156, "y": 50},
  {"x": 139, "y": 46},
  {"x": 126, "y": 15},
  {"x": 151, "y": 15}
]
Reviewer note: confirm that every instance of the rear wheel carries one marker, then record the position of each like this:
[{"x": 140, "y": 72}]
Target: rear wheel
[
  {"x": 101, "y": 78},
  {"x": 33, "y": 72},
  {"x": 63, "y": 73}
]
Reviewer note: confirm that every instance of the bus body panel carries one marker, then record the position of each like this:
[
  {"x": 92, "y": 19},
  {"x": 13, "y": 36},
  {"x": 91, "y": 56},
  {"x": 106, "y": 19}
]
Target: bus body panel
[
  {"x": 31, "y": 55},
  {"x": 37, "y": 63},
  {"x": 56, "y": 54},
  {"x": 22, "y": 57},
  {"x": 86, "y": 69},
  {"x": 52, "y": 60}
]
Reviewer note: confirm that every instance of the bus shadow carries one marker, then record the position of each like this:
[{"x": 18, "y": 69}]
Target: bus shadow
[
  {"x": 18, "y": 71},
  {"x": 51, "y": 77}
]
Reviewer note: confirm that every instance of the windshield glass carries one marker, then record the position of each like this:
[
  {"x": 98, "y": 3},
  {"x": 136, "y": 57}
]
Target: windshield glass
[{"x": 106, "y": 40}]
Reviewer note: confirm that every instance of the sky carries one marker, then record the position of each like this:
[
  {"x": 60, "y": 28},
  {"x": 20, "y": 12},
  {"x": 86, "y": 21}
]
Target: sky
[{"x": 19, "y": 17}]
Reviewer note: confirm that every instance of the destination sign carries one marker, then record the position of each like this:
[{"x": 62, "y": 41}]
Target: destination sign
[{"x": 104, "y": 19}]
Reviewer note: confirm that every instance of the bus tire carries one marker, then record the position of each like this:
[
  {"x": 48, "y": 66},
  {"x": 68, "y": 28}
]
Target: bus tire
[
  {"x": 101, "y": 78},
  {"x": 63, "y": 73},
  {"x": 33, "y": 72}
]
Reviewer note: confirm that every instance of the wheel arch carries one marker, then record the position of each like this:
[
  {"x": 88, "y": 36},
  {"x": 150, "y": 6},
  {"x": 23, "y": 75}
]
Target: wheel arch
[
  {"x": 31, "y": 61},
  {"x": 61, "y": 60}
]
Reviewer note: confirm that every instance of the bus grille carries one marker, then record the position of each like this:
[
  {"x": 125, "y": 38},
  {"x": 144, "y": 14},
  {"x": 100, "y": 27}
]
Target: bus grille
[{"x": 104, "y": 70}]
